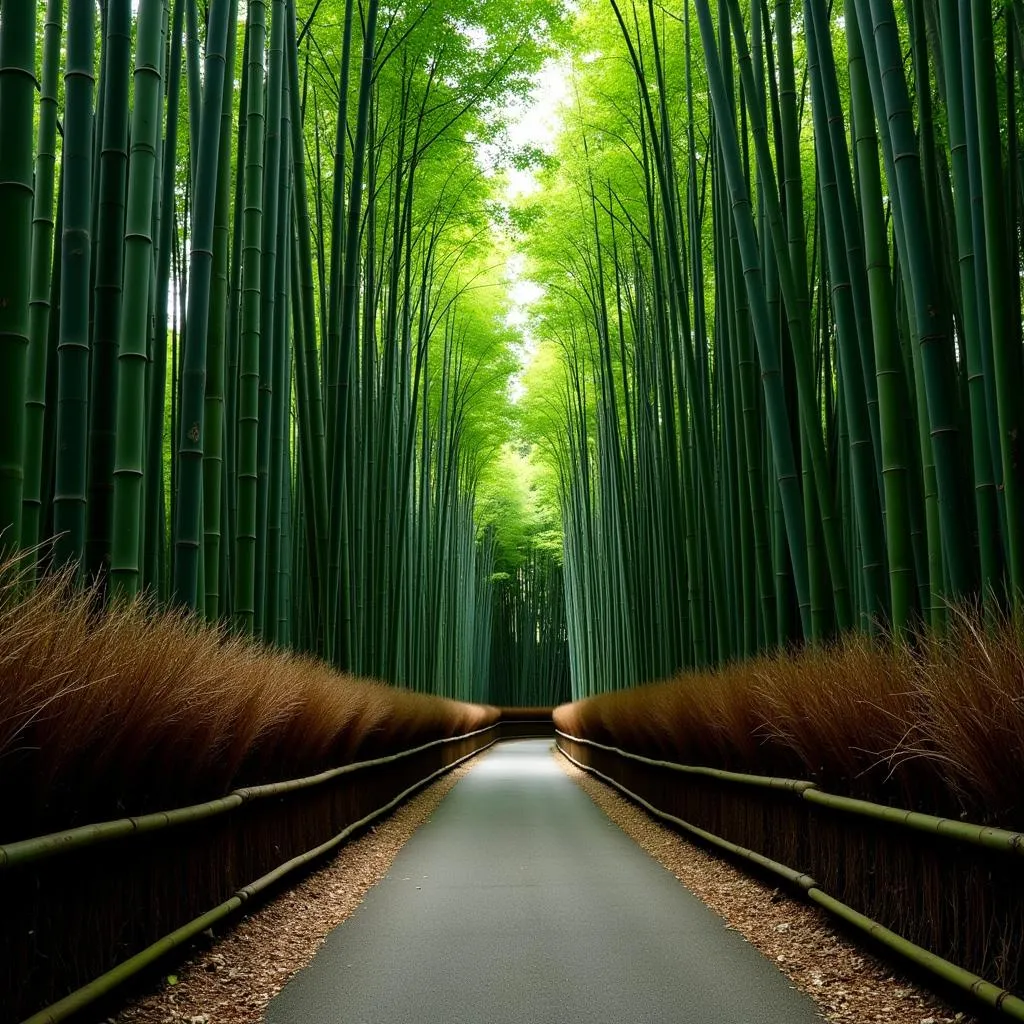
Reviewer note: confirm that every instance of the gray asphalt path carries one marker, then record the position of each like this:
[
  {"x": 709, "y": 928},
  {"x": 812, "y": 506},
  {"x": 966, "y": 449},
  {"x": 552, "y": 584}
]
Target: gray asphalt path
[{"x": 520, "y": 902}]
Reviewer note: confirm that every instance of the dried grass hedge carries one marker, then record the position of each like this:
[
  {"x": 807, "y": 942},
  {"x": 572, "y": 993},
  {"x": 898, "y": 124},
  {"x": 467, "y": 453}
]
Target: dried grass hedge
[
  {"x": 937, "y": 726},
  {"x": 132, "y": 710}
]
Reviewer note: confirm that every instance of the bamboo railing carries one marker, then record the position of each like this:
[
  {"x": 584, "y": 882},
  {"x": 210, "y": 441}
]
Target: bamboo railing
[
  {"x": 944, "y": 895},
  {"x": 86, "y": 909}
]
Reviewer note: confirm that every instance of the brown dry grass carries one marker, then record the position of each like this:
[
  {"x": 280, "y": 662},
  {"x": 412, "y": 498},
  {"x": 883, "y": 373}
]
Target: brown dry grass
[
  {"x": 134, "y": 710},
  {"x": 936, "y": 727}
]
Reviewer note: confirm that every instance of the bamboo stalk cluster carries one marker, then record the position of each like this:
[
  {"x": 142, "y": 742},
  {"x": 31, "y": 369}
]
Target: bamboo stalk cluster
[
  {"x": 530, "y": 664},
  {"x": 783, "y": 255},
  {"x": 250, "y": 354}
]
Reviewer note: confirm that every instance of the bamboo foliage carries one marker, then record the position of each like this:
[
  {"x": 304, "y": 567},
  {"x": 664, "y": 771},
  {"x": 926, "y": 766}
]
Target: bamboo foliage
[
  {"x": 265, "y": 374},
  {"x": 262, "y": 373},
  {"x": 769, "y": 249}
]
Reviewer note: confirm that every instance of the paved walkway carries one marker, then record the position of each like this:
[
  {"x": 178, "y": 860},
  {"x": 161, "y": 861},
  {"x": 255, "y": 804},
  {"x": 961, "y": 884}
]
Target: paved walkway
[{"x": 520, "y": 902}]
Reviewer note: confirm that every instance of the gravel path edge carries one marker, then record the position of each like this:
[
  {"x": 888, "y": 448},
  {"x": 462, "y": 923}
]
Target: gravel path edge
[
  {"x": 235, "y": 976},
  {"x": 849, "y": 985}
]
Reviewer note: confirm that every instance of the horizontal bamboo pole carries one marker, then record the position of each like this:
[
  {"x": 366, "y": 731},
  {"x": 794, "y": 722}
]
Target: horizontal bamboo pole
[
  {"x": 962, "y": 831},
  {"x": 762, "y": 781},
  {"x": 992, "y": 995},
  {"x": 997, "y": 839},
  {"x": 970, "y": 984},
  {"x": 107, "y": 983},
  {"x": 796, "y": 878},
  {"x": 56, "y": 843}
]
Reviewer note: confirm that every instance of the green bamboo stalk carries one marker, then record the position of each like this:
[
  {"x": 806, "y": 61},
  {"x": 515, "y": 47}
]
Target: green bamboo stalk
[
  {"x": 269, "y": 340},
  {"x": 282, "y": 357},
  {"x": 194, "y": 82},
  {"x": 249, "y": 347},
  {"x": 125, "y": 568},
  {"x": 192, "y": 439},
  {"x": 836, "y": 193},
  {"x": 309, "y": 396},
  {"x": 109, "y": 269},
  {"x": 42, "y": 258},
  {"x": 887, "y": 359},
  {"x": 1004, "y": 336},
  {"x": 234, "y": 340},
  {"x": 50, "y": 417},
  {"x": 69, "y": 499},
  {"x": 17, "y": 108},
  {"x": 337, "y": 583},
  {"x": 934, "y": 345},
  {"x": 985, "y": 495},
  {"x": 216, "y": 350},
  {"x": 774, "y": 400},
  {"x": 154, "y": 496}
]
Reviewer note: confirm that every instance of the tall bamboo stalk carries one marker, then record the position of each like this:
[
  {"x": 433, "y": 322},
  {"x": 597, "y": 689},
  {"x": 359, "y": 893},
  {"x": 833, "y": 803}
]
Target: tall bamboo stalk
[
  {"x": 69, "y": 500},
  {"x": 17, "y": 107},
  {"x": 129, "y": 465},
  {"x": 189, "y": 507},
  {"x": 42, "y": 257}
]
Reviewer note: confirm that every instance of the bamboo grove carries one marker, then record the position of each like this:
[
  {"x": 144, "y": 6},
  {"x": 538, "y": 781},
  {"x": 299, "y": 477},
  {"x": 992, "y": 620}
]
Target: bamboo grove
[
  {"x": 252, "y": 356},
  {"x": 255, "y": 357},
  {"x": 782, "y": 250}
]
